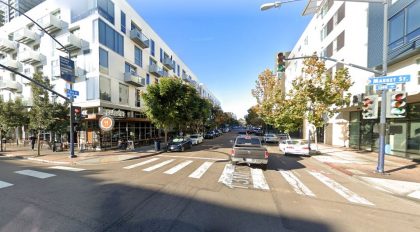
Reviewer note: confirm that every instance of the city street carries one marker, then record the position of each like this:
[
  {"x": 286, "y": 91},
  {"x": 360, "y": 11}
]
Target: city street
[{"x": 196, "y": 190}]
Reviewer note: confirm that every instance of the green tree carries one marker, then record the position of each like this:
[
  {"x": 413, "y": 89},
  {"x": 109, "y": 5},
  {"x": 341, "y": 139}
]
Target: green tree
[
  {"x": 60, "y": 115},
  {"x": 41, "y": 115},
  {"x": 253, "y": 118},
  {"x": 12, "y": 114}
]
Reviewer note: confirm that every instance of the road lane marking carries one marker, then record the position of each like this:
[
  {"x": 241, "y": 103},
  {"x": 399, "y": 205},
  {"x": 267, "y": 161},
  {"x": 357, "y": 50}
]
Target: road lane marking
[
  {"x": 258, "y": 179},
  {"x": 159, "y": 165},
  {"x": 201, "y": 170},
  {"x": 67, "y": 168},
  {"x": 40, "y": 175},
  {"x": 296, "y": 184},
  {"x": 4, "y": 184},
  {"x": 191, "y": 157},
  {"x": 227, "y": 175},
  {"x": 415, "y": 194},
  {"x": 341, "y": 190},
  {"x": 141, "y": 163},
  {"x": 178, "y": 167}
]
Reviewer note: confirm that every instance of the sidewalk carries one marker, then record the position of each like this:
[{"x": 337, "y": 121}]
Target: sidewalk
[
  {"x": 89, "y": 157},
  {"x": 401, "y": 177}
]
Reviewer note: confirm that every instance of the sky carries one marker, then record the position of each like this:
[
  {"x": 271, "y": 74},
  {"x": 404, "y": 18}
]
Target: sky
[{"x": 226, "y": 43}]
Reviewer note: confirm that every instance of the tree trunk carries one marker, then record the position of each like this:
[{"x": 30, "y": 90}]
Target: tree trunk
[
  {"x": 1, "y": 141},
  {"x": 166, "y": 135},
  {"x": 39, "y": 143}
]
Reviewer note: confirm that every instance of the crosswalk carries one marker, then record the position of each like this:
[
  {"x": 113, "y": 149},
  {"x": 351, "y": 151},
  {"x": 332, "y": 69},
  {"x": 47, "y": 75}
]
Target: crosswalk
[{"x": 231, "y": 176}]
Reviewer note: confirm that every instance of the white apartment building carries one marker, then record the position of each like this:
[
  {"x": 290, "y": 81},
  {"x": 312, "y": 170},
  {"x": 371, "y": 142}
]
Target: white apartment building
[
  {"x": 352, "y": 32},
  {"x": 116, "y": 54}
]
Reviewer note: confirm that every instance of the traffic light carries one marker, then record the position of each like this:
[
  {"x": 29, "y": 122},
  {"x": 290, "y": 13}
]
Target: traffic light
[
  {"x": 370, "y": 107},
  {"x": 396, "y": 107},
  {"x": 76, "y": 113},
  {"x": 280, "y": 62}
]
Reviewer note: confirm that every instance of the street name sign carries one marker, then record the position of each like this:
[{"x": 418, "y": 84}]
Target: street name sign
[
  {"x": 389, "y": 80},
  {"x": 383, "y": 87},
  {"x": 67, "y": 69}
]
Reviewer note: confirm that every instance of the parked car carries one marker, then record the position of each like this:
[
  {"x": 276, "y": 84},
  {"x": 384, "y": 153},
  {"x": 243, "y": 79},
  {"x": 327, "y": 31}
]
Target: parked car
[
  {"x": 283, "y": 136},
  {"x": 210, "y": 135},
  {"x": 271, "y": 138},
  {"x": 196, "y": 139},
  {"x": 248, "y": 149},
  {"x": 226, "y": 130},
  {"x": 295, "y": 146},
  {"x": 179, "y": 144}
]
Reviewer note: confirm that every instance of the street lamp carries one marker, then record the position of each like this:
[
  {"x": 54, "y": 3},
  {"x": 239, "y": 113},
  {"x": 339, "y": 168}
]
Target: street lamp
[
  {"x": 382, "y": 122},
  {"x": 277, "y": 4}
]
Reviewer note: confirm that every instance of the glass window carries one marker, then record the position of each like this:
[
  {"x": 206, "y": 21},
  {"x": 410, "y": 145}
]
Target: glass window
[
  {"x": 123, "y": 94},
  {"x": 105, "y": 88},
  {"x": 413, "y": 17},
  {"x": 340, "y": 41},
  {"x": 123, "y": 22},
  {"x": 92, "y": 88},
  {"x": 152, "y": 47},
  {"x": 138, "y": 56},
  {"x": 111, "y": 38},
  {"x": 138, "y": 98},
  {"x": 147, "y": 79},
  {"x": 103, "y": 58},
  {"x": 396, "y": 27},
  {"x": 341, "y": 13},
  {"x": 130, "y": 68},
  {"x": 161, "y": 55},
  {"x": 178, "y": 70},
  {"x": 106, "y": 10}
]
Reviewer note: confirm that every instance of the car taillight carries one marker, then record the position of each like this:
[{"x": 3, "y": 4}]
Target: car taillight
[
  {"x": 306, "y": 148},
  {"x": 266, "y": 154},
  {"x": 232, "y": 152}
]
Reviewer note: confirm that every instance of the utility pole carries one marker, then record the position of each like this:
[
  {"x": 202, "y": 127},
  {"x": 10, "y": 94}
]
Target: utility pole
[{"x": 70, "y": 100}]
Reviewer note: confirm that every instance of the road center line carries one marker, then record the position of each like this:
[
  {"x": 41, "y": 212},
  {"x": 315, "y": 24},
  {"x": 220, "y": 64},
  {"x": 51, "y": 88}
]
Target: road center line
[
  {"x": 141, "y": 163},
  {"x": 41, "y": 175},
  {"x": 4, "y": 184},
  {"x": 341, "y": 190},
  {"x": 201, "y": 170},
  {"x": 178, "y": 167},
  {"x": 296, "y": 184},
  {"x": 67, "y": 168},
  {"x": 191, "y": 157},
  {"x": 258, "y": 179},
  {"x": 158, "y": 165}
]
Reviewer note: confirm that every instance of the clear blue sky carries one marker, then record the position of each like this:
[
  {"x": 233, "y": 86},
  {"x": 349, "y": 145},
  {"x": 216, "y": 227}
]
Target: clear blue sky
[{"x": 226, "y": 43}]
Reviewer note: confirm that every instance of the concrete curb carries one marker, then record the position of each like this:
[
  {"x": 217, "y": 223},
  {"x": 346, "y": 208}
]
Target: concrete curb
[{"x": 47, "y": 161}]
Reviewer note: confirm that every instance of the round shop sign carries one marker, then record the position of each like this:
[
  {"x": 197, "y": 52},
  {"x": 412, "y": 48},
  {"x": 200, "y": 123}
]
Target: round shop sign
[{"x": 106, "y": 123}]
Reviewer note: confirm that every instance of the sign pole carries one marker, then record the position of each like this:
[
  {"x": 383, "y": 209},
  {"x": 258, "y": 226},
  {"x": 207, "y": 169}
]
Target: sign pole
[{"x": 382, "y": 121}]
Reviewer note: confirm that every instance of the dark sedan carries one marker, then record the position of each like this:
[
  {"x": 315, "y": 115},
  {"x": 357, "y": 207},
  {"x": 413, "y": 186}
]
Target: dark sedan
[
  {"x": 210, "y": 135},
  {"x": 180, "y": 144}
]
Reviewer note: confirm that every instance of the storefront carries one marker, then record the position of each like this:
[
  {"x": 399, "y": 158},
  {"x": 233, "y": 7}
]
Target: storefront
[
  {"x": 129, "y": 125},
  {"x": 402, "y": 137}
]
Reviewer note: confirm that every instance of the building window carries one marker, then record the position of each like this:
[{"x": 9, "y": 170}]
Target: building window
[
  {"x": 396, "y": 29},
  {"x": 92, "y": 88},
  {"x": 106, "y": 10},
  {"x": 413, "y": 20},
  {"x": 103, "y": 61},
  {"x": 130, "y": 68},
  {"x": 110, "y": 38},
  {"x": 323, "y": 33},
  {"x": 161, "y": 55},
  {"x": 340, "y": 41},
  {"x": 147, "y": 79},
  {"x": 105, "y": 89},
  {"x": 138, "y": 56},
  {"x": 341, "y": 13},
  {"x": 123, "y": 22},
  {"x": 138, "y": 98},
  {"x": 123, "y": 94},
  {"x": 178, "y": 71},
  {"x": 330, "y": 26},
  {"x": 329, "y": 51},
  {"x": 152, "y": 47}
]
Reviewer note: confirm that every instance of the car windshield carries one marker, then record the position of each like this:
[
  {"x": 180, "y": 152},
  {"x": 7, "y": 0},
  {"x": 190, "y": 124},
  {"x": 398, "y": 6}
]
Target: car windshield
[
  {"x": 250, "y": 141},
  {"x": 293, "y": 142},
  {"x": 177, "y": 140}
]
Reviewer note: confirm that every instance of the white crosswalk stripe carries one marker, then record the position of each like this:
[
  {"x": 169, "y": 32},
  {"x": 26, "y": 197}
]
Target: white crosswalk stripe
[
  {"x": 141, "y": 163},
  {"x": 199, "y": 172},
  {"x": 341, "y": 190},
  {"x": 4, "y": 184},
  {"x": 40, "y": 175},
  {"x": 227, "y": 175},
  {"x": 258, "y": 179},
  {"x": 178, "y": 167},
  {"x": 67, "y": 168},
  {"x": 296, "y": 184},
  {"x": 159, "y": 165}
]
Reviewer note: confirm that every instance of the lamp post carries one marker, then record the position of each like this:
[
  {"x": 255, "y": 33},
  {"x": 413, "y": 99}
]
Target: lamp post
[
  {"x": 382, "y": 121},
  {"x": 70, "y": 100}
]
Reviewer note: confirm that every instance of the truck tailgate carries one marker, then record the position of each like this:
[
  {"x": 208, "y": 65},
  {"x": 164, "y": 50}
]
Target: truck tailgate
[{"x": 250, "y": 152}]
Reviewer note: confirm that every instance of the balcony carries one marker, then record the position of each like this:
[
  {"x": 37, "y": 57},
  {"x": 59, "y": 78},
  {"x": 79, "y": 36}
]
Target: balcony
[
  {"x": 6, "y": 45},
  {"x": 156, "y": 70},
  {"x": 26, "y": 36},
  {"x": 185, "y": 77},
  {"x": 139, "y": 38},
  {"x": 31, "y": 57},
  {"x": 13, "y": 86},
  {"x": 12, "y": 64},
  {"x": 134, "y": 79},
  {"x": 70, "y": 42},
  {"x": 170, "y": 64},
  {"x": 51, "y": 23}
]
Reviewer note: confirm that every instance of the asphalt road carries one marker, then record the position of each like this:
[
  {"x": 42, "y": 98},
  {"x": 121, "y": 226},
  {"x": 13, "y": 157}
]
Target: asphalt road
[{"x": 196, "y": 190}]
